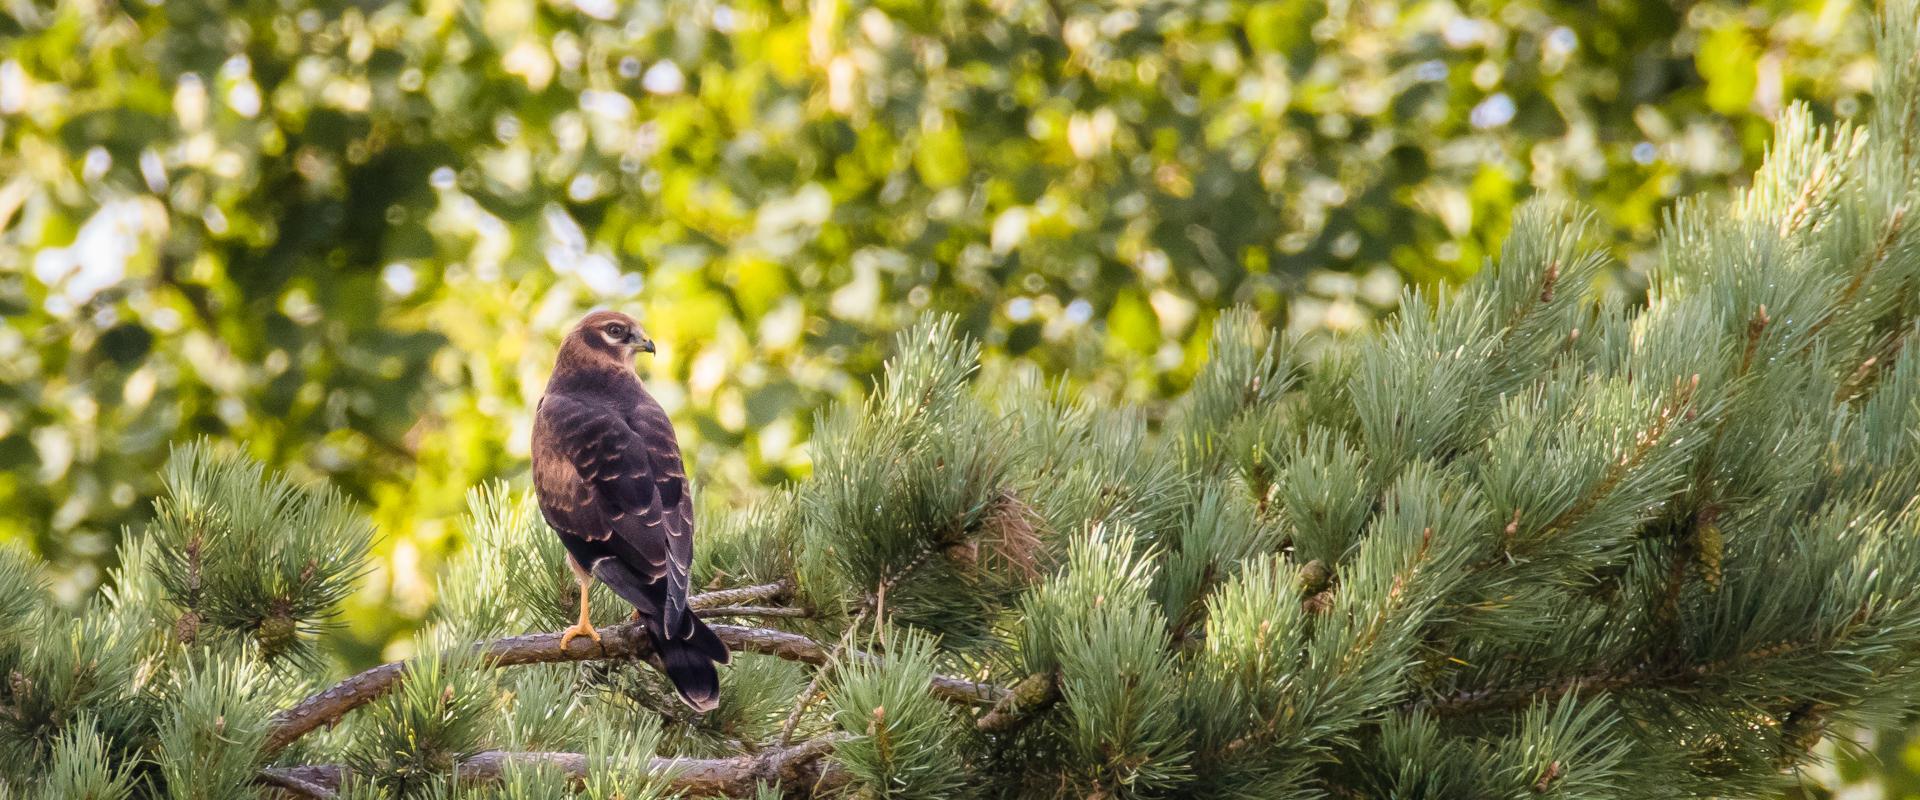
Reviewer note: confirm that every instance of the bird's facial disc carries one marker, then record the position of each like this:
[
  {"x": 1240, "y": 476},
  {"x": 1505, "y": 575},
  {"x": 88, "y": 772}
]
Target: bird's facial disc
[{"x": 623, "y": 337}]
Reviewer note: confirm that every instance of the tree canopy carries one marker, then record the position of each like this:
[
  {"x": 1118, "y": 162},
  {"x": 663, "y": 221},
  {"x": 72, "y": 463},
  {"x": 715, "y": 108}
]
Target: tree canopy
[{"x": 347, "y": 234}]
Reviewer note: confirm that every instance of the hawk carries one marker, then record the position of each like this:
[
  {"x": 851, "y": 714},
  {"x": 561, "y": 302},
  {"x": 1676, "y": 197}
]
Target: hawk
[{"x": 607, "y": 470}]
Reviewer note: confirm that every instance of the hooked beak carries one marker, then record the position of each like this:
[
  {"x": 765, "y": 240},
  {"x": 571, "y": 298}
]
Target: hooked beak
[{"x": 645, "y": 345}]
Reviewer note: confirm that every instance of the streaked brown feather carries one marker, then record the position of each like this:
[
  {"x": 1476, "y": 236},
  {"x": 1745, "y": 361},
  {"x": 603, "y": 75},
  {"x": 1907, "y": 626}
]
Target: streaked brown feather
[{"x": 608, "y": 472}]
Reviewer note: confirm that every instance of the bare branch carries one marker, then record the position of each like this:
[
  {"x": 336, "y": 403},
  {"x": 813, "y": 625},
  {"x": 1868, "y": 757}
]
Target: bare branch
[
  {"x": 755, "y": 611},
  {"x": 627, "y": 641},
  {"x": 300, "y": 782},
  {"x": 1033, "y": 693},
  {"x": 742, "y": 595}
]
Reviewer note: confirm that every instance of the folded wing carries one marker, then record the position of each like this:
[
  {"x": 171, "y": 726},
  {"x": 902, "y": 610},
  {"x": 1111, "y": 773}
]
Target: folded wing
[{"x": 614, "y": 487}]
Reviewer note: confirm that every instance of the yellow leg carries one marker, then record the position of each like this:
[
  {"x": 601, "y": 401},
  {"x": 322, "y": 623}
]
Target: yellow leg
[{"x": 583, "y": 627}]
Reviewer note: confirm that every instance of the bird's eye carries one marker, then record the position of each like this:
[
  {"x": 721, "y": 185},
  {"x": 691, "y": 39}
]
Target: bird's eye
[{"x": 617, "y": 329}]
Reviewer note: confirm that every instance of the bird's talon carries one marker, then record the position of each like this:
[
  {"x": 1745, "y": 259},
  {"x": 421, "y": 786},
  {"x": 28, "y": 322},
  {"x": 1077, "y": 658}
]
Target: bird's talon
[{"x": 577, "y": 631}]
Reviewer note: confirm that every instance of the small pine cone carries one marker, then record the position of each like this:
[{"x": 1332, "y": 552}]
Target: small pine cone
[
  {"x": 1708, "y": 549},
  {"x": 19, "y": 685},
  {"x": 186, "y": 629},
  {"x": 276, "y": 634},
  {"x": 966, "y": 554},
  {"x": 1314, "y": 576}
]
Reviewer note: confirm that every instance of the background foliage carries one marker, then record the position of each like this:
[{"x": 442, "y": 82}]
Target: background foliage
[{"x": 349, "y": 234}]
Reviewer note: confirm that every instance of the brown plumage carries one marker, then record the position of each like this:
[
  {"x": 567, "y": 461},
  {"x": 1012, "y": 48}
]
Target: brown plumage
[{"x": 607, "y": 469}]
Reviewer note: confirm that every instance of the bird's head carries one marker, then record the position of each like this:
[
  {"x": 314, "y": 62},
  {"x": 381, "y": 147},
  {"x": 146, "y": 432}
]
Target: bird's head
[{"x": 610, "y": 334}]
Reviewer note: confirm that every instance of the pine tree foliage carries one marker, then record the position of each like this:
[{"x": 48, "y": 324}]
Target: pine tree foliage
[
  {"x": 1522, "y": 542},
  {"x": 81, "y": 768},
  {"x": 208, "y": 742},
  {"x": 416, "y": 736},
  {"x": 900, "y": 735},
  {"x": 252, "y": 556}
]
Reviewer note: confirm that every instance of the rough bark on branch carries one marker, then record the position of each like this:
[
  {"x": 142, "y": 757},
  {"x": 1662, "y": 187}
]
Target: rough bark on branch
[
  {"x": 616, "y": 642},
  {"x": 1032, "y": 694},
  {"x": 802, "y": 765},
  {"x": 754, "y": 611},
  {"x": 741, "y": 596}
]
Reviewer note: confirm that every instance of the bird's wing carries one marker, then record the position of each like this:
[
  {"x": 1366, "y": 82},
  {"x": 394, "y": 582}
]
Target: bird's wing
[
  {"x": 670, "y": 479},
  {"x": 621, "y": 489}
]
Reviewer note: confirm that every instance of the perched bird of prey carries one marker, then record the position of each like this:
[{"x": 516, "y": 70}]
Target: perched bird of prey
[{"x": 607, "y": 469}]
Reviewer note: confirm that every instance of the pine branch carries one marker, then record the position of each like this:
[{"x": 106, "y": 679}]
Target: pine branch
[
  {"x": 755, "y": 611},
  {"x": 626, "y": 641},
  {"x": 1645, "y": 676},
  {"x": 1863, "y": 376},
  {"x": 804, "y": 764},
  {"x": 320, "y": 782},
  {"x": 1544, "y": 297},
  {"x": 1883, "y": 246},
  {"x": 1678, "y": 404},
  {"x": 1821, "y": 181},
  {"x": 1033, "y": 693}
]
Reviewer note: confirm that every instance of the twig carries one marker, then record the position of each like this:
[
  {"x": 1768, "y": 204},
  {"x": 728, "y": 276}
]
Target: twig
[
  {"x": 1645, "y": 676},
  {"x": 1889, "y": 236},
  {"x": 1032, "y": 693},
  {"x": 755, "y": 611},
  {"x": 877, "y": 606},
  {"x": 813, "y": 686},
  {"x": 300, "y": 782},
  {"x": 803, "y": 764},
  {"x": 623, "y": 641}
]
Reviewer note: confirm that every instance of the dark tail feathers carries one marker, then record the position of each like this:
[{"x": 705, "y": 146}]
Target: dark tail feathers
[
  {"x": 690, "y": 662},
  {"x": 689, "y": 654}
]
